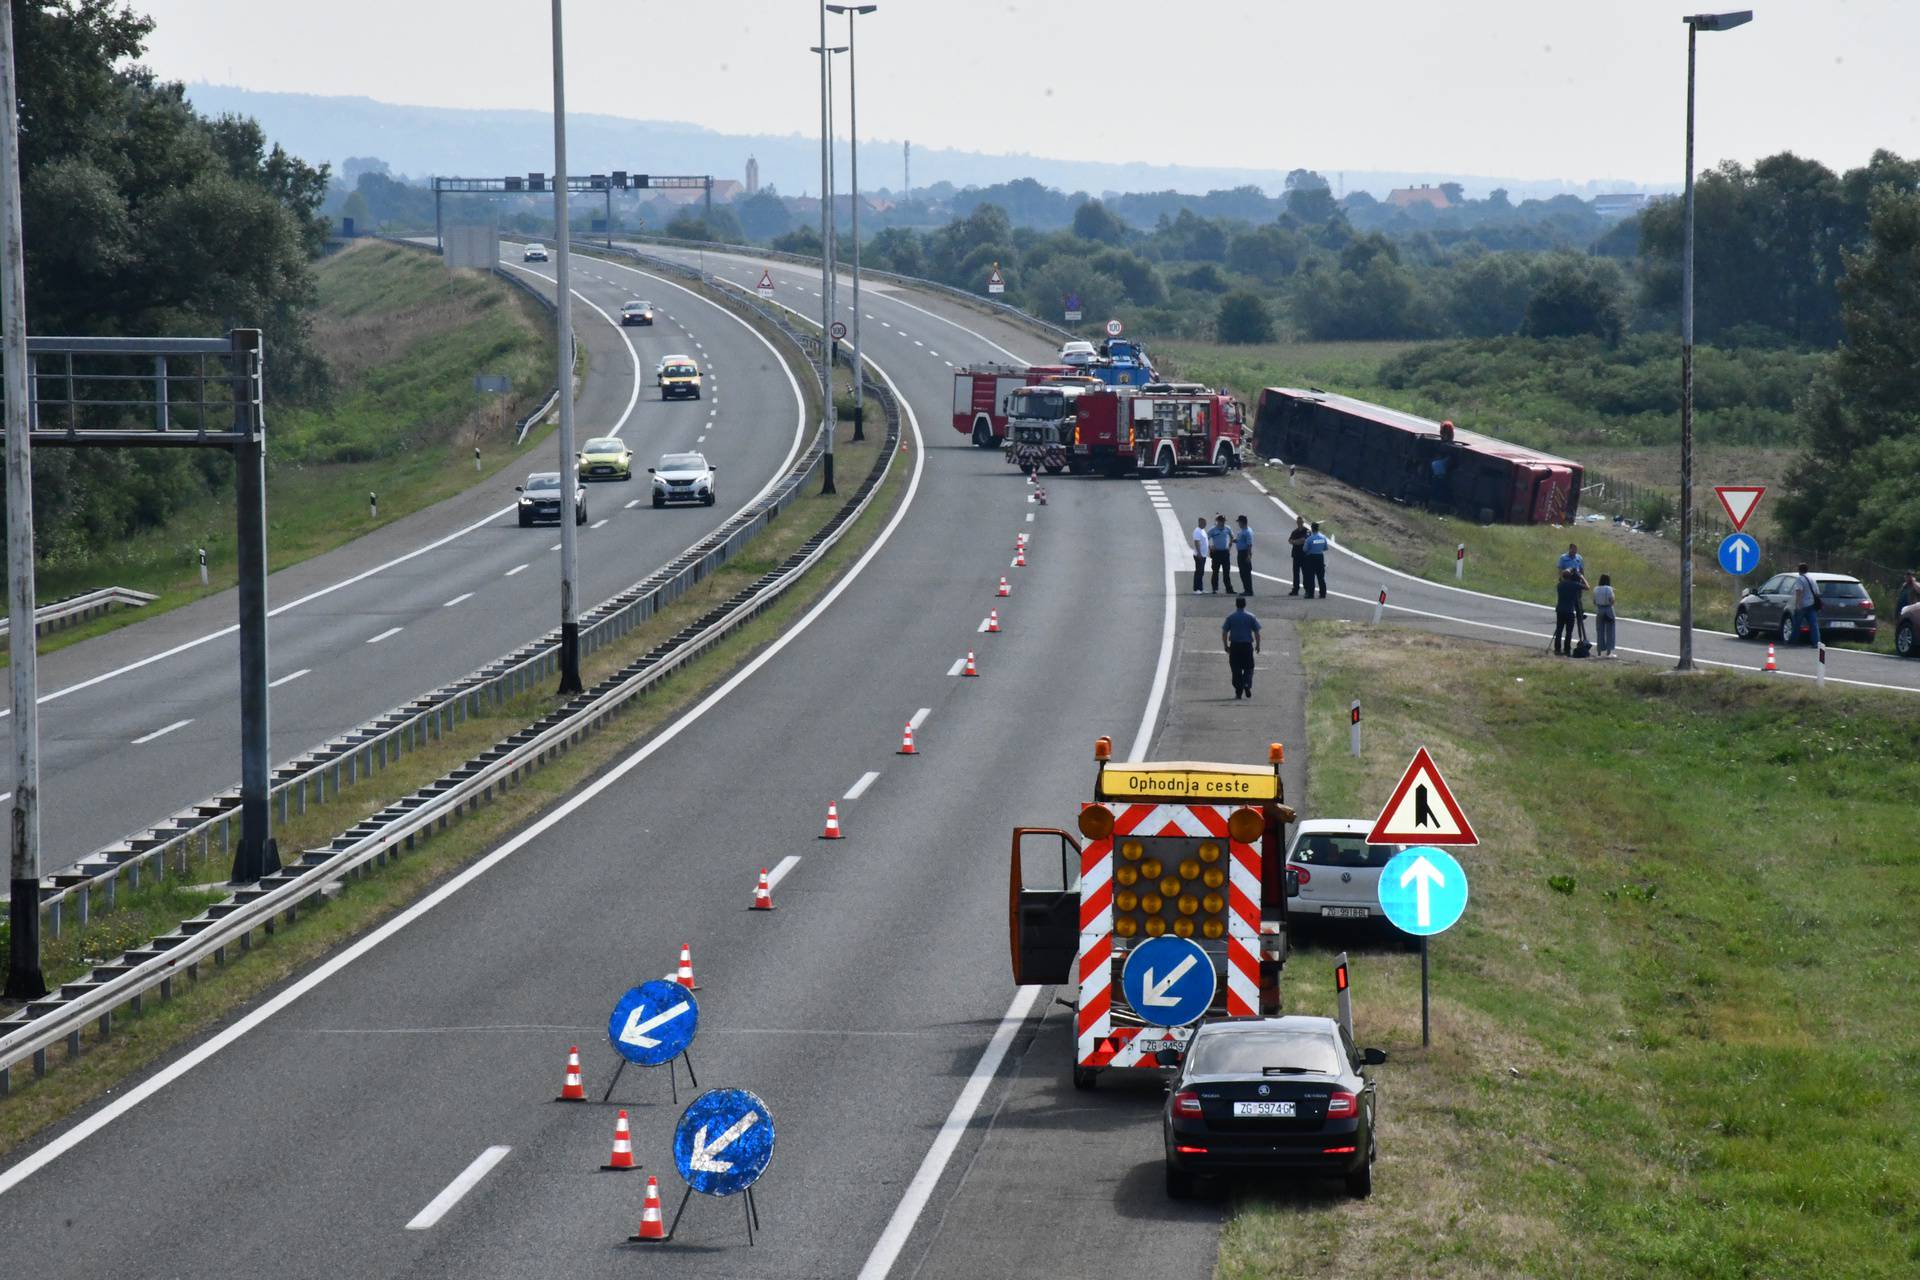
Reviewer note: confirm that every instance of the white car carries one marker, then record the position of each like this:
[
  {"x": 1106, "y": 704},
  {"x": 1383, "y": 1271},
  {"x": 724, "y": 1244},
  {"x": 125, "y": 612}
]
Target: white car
[
  {"x": 1339, "y": 871},
  {"x": 683, "y": 477},
  {"x": 1077, "y": 353},
  {"x": 660, "y": 370},
  {"x": 534, "y": 253}
]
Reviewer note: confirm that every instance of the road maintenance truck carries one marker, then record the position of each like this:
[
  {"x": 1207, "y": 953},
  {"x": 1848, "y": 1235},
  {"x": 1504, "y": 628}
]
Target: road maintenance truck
[
  {"x": 1191, "y": 849},
  {"x": 1161, "y": 428}
]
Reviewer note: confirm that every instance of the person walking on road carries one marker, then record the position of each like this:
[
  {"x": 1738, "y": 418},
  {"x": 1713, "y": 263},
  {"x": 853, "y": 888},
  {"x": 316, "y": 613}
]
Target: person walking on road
[
  {"x": 1604, "y": 617},
  {"x": 1296, "y": 536},
  {"x": 1314, "y": 552},
  {"x": 1240, "y": 633},
  {"x": 1220, "y": 549},
  {"x": 1806, "y": 607},
  {"x": 1200, "y": 555},
  {"x": 1243, "y": 552}
]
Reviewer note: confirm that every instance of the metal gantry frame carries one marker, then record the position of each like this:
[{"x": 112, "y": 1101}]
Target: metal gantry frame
[
  {"x": 604, "y": 184},
  {"x": 181, "y": 393}
]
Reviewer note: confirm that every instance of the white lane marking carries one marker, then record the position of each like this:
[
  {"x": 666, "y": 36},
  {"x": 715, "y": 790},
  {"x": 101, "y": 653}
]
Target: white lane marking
[
  {"x": 949, "y": 364},
  {"x": 459, "y": 599},
  {"x": 161, "y": 733},
  {"x": 779, "y": 873},
  {"x": 885, "y": 325},
  {"x": 918, "y": 343},
  {"x": 519, "y": 568},
  {"x": 597, "y": 523},
  {"x": 554, "y": 547},
  {"x": 1256, "y": 484},
  {"x": 631, "y": 505},
  {"x": 859, "y": 788},
  {"x": 958, "y": 663},
  {"x": 364, "y": 574},
  {"x": 982, "y": 628},
  {"x": 469, "y": 1178},
  {"x": 696, "y": 440},
  {"x": 5, "y": 796},
  {"x": 133, "y": 1097},
  {"x": 1029, "y": 517},
  {"x": 867, "y": 316},
  {"x": 899, "y": 1228},
  {"x": 390, "y": 631},
  {"x": 289, "y": 678},
  {"x": 920, "y": 717}
]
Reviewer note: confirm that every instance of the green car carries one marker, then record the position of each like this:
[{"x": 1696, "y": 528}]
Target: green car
[{"x": 607, "y": 458}]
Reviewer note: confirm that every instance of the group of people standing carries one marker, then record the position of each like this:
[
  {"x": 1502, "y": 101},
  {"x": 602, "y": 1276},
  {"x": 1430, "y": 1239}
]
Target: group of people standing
[
  {"x": 1223, "y": 548},
  {"x": 1570, "y": 609}
]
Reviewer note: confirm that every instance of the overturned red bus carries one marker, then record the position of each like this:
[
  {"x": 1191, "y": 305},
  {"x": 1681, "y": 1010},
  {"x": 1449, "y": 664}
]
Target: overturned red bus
[{"x": 1410, "y": 459}]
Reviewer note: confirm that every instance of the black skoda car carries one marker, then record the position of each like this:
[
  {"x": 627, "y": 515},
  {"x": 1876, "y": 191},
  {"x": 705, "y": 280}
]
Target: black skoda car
[{"x": 1258, "y": 1094}]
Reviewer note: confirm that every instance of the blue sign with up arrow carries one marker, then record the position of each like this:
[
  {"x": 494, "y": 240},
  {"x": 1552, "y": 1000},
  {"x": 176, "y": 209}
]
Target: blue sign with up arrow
[
  {"x": 724, "y": 1142},
  {"x": 1423, "y": 890},
  {"x": 653, "y": 1023},
  {"x": 1739, "y": 554},
  {"x": 1169, "y": 981}
]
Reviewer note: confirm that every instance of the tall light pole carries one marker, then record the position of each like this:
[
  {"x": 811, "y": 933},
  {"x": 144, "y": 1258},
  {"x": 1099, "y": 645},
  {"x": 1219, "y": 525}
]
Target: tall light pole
[
  {"x": 25, "y": 978},
  {"x": 827, "y": 416},
  {"x": 569, "y": 539},
  {"x": 853, "y": 144},
  {"x": 1695, "y": 24}
]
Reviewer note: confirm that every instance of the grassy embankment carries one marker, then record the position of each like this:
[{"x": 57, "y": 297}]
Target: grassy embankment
[
  {"x": 404, "y": 337},
  {"x": 1676, "y": 1032},
  {"x": 1571, "y": 399},
  {"x": 142, "y": 1039}
]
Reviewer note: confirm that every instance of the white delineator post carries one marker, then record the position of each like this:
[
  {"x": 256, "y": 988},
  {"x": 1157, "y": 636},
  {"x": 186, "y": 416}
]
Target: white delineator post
[
  {"x": 1460, "y": 562},
  {"x": 203, "y": 566},
  {"x": 1820, "y": 675},
  {"x": 1380, "y": 605},
  {"x": 1354, "y": 731}
]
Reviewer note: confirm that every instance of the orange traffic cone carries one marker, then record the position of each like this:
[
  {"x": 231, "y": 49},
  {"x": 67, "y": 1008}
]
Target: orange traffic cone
[
  {"x": 1020, "y": 541},
  {"x": 906, "y": 743},
  {"x": 622, "y": 1157},
  {"x": 653, "y": 1224},
  {"x": 993, "y": 622},
  {"x": 1004, "y": 588},
  {"x": 833, "y": 823},
  {"x": 762, "y": 894},
  {"x": 970, "y": 669},
  {"x": 1019, "y": 557},
  {"x": 1770, "y": 663},
  {"x": 685, "y": 974},
  {"x": 573, "y": 1090}
]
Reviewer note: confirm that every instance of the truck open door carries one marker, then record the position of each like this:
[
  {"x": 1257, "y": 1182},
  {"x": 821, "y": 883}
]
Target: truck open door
[{"x": 1043, "y": 905}]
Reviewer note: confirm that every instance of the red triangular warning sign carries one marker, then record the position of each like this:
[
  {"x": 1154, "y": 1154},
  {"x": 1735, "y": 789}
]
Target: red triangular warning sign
[
  {"x": 1422, "y": 810},
  {"x": 766, "y": 281},
  {"x": 1739, "y": 501},
  {"x": 995, "y": 278}
]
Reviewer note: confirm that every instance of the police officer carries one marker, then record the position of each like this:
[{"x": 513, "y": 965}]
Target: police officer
[
  {"x": 1314, "y": 551},
  {"x": 1243, "y": 553},
  {"x": 1296, "y": 537},
  {"x": 1220, "y": 551},
  {"x": 1240, "y": 633}
]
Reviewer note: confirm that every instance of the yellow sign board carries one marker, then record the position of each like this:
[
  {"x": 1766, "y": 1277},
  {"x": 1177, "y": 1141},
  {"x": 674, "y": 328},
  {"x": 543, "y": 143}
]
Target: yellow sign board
[{"x": 1206, "y": 786}]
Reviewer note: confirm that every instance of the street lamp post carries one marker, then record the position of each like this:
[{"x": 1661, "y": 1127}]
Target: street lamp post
[
  {"x": 827, "y": 417},
  {"x": 1696, "y": 23},
  {"x": 563, "y": 309},
  {"x": 853, "y": 144}
]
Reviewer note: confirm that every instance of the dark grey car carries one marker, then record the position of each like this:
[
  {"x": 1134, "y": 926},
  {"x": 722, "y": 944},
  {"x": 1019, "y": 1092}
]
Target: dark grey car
[
  {"x": 540, "y": 500},
  {"x": 1765, "y": 612}
]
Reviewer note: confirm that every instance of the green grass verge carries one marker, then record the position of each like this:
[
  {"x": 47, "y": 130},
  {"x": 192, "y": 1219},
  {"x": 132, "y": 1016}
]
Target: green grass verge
[
  {"x": 1676, "y": 1032},
  {"x": 140, "y": 1040},
  {"x": 404, "y": 337}
]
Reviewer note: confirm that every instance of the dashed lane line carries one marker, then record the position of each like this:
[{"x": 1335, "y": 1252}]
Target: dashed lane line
[
  {"x": 859, "y": 788},
  {"x": 469, "y": 1178},
  {"x": 289, "y": 678},
  {"x": 462, "y": 598},
  {"x": 384, "y": 635},
  {"x": 161, "y": 733}
]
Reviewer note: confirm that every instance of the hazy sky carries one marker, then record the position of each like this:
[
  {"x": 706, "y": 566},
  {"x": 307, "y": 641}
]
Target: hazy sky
[{"x": 1526, "y": 88}]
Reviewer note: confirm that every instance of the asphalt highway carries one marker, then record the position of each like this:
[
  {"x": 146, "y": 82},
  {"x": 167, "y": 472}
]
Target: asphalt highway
[{"x": 142, "y": 721}]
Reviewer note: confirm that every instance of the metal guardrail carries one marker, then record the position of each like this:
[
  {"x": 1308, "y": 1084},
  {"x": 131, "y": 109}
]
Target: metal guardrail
[
  {"x": 1047, "y": 327},
  {"x": 64, "y": 1016},
  {"x": 201, "y": 831},
  {"x": 81, "y": 608}
]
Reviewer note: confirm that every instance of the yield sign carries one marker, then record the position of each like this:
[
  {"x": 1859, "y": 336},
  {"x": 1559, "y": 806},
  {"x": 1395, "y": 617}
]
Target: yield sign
[
  {"x": 1422, "y": 810},
  {"x": 1739, "y": 501}
]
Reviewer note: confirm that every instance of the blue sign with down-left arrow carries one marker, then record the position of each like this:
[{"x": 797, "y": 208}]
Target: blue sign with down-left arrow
[
  {"x": 724, "y": 1142},
  {"x": 1169, "y": 981},
  {"x": 653, "y": 1023}
]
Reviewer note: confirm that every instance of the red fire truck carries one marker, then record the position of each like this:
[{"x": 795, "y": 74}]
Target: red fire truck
[
  {"x": 1160, "y": 428},
  {"x": 1196, "y": 850},
  {"x": 980, "y": 396}
]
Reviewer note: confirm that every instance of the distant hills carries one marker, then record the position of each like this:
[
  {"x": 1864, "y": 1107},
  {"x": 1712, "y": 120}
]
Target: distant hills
[{"x": 420, "y": 141}]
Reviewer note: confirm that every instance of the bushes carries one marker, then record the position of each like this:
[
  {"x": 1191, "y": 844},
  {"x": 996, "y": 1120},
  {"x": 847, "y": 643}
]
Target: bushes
[{"x": 1243, "y": 318}]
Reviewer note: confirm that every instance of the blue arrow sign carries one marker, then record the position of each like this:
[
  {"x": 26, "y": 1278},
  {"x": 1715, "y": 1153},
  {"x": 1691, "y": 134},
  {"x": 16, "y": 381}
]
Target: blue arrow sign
[
  {"x": 1739, "y": 554},
  {"x": 1423, "y": 890},
  {"x": 653, "y": 1023},
  {"x": 1169, "y": 981},
  {"x": 724, "y": 1142}
]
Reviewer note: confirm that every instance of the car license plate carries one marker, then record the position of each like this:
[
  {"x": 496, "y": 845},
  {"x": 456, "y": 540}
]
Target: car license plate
[
  {"x": 1350, "y": 913},
  {"x": 1256, "y": 1110},
  {"x": 1840, "y": 624}
]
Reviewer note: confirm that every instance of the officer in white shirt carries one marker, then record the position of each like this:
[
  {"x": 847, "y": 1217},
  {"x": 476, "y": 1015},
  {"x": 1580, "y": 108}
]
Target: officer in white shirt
[{"x": 1200, "y": 549}]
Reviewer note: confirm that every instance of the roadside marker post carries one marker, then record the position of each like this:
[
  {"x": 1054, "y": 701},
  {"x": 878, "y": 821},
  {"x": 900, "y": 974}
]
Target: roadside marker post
[
  {"x": 203, "y": 566},
  {"x": 1341, "y": 992},
  {"x": 1353, "y": 732},
  {"x": 1820, "y": 675},
  {"x": 1380, "y": 605},
  {"x": 476, "y": 459},
  {"x": 1423, "y": 891},
  {"x": 373, "y": 506},
  {"x": 1460, "y": 562}
]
